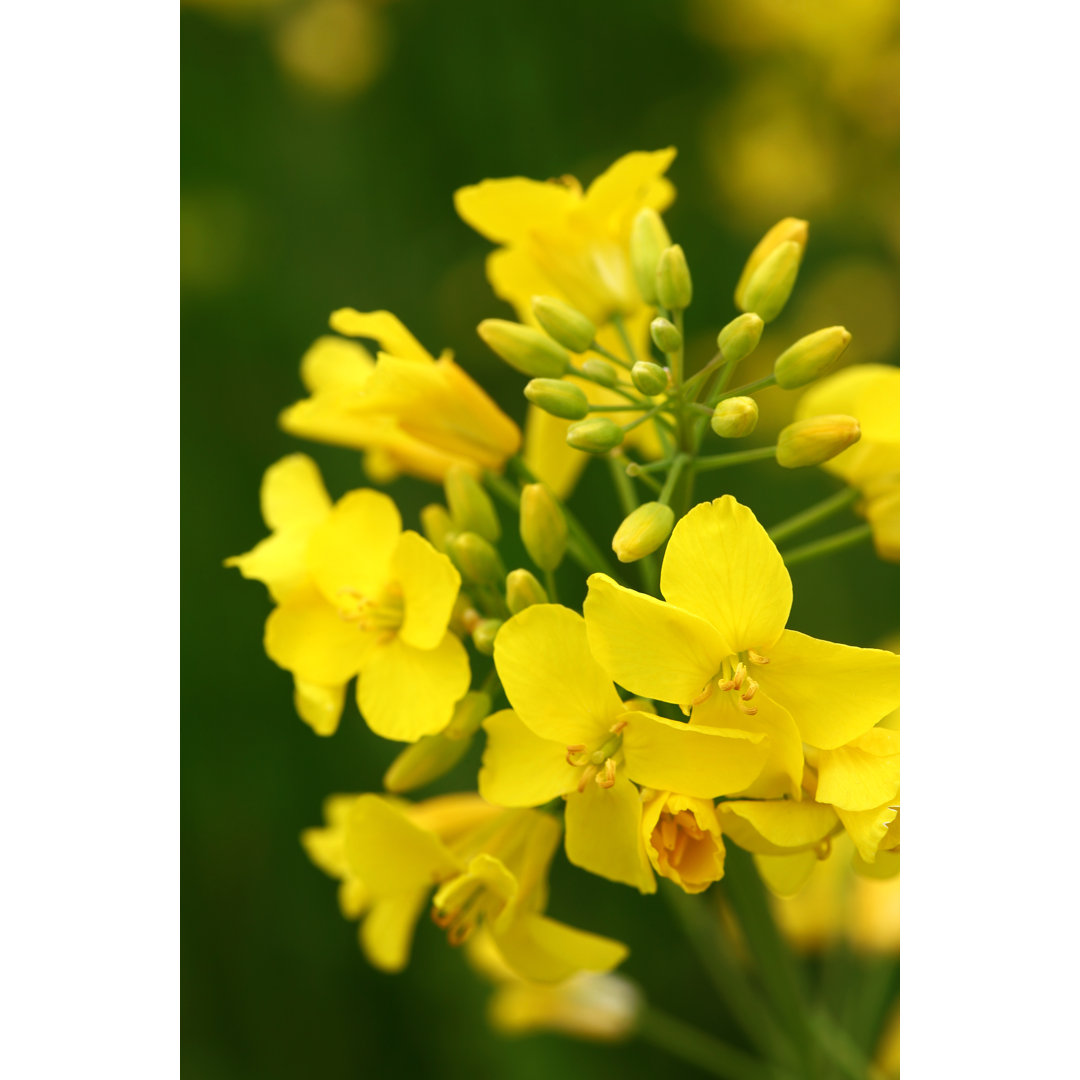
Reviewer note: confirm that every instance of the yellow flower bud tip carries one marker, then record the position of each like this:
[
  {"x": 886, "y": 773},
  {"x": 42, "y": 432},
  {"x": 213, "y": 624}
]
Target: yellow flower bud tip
[
  {"x": 543, "y": 526},
  {"x": 565, "y": 324},
  {"x": 648, "y": 239},
  {"x": 477, "y": 560},
  {"x": 735, "y": 417},
  {"x": 740, "y": 337},
  {"x": 600, "y": 371},
  {"x": 648, "y": 377},
  {"x": 811, "y": 357},
  {"x": 524, "y": 348},
  {"x": 523, "y": 590},
  {"x": 793, "y": 230},
  {"x": 596, "y": 435},
  {"x": 665, "y": 335},
  {"x": 471, "y": 508},
  {"x": 483, "y": 637},
  {"x": 768, "y": 289},
  {"x": 674, "y": 288},
  {"x": 643, "y": 531},
  {"x": 559, "y": 398},
  {"x": 816, "y": 439},
  {"x": 424, "y": 762},
  {"x": 436, "y": 525}
]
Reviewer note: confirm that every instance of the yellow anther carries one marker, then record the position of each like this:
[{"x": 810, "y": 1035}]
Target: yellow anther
[
  {"x": 669, "y": 832},
  {"x": 704, "y": 695},
  {"x": 737, "y": 678},
  {"x": 750, "y": 691},
  {"x": 586, "y": 776},
  {"x": 572, "y": 752},
  {"x": 680, "y": 848},
  {"x": 619, "y": 727},
  {"x": 606, "y": 777},
  {"x": 750, "y": 710},
  {"x": 757, "y": 658},
  {"x": 725, "y": 684}
]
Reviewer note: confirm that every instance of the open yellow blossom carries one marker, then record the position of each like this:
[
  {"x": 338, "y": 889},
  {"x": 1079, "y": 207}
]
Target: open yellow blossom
[
  {"x": 683, "y": 840},
  {"x": 372, "y": 600},
  {"x": 870, "y": 393},
  {"x": 410, "y": 412},
  {"x": 571, "y": 735},
  {"x": 488, "y": 868},
  {"x": 719, "y": 646}
]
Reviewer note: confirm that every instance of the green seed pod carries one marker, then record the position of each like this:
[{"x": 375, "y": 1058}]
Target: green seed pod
[
  {"x": 735, "y": 417},
  {"x": 816, "y": 439},
  {"x": 565, "y": 324},
  {"x": 436, "y": 525},
  {"x": 483, "y": 637},
  {"x": 643, "y": 531},
  {"x": 790, "y": 229},
  {"x": 523, "y": 590},
  {"x": 811, "y": 357},
  {"x": 665, "y": 335},
  {"x": 562, "y": 399},
  {"x": 471, "y": 507},
  {"x": 543, "y": 526},
  {"x": 768, "y": 289},
  {"x": 648, "y": 377},
  {"x": 477, "y": 560},
  {"x": 524, "y": 348},
  {"x": 674, "y": 289},
  {"x": 648, "y": 238},
  {"x": 600, "y": 371},
  {"x": 596, "y": 435},
  {"x": 740, "y": 337}
]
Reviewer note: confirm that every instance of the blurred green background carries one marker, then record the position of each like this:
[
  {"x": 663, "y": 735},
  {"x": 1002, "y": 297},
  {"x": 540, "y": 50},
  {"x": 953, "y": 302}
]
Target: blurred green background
[{"x": 321, "y": 143}]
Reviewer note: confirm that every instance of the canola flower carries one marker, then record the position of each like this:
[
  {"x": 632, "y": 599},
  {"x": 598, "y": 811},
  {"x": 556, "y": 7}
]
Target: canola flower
[{"x": 653, "y": 733}]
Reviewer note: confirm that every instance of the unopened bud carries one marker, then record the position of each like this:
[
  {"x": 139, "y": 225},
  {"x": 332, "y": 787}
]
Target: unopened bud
[
  {"x": 740, "y": 337},
  {"x": 469, "y": 713},
  {"x": 434, "y": 756},
  {"x": 543, "y": 526},
  {"x": 665, "y": 335},
  {"x": 768, "y": 289},
  {"x": 735, "y": 417},
  {"x": 648, "y": 238},
  {"x": 523, "y": 590},
  {"x": 810, "y": 357},
  {"x": 596, "y": 435},
  {"x": 565, "y": 324},
  {"x": 483, "y": 637},
  {"x": 648, "y": 377},
  {"x": 600, "y": 371},
  {"x": 643, "y": 531},
  {"x": 816, "y": 439},
  {"x": 674, "y": 288},
  {"x": 436, "y": 525},
  {"x": 477, "y": 560},
  {"x": 790, "y": 229},
  {"x": 471, "y": 507},
  {"x": 562, "y": 399},
  {"x": 528, "y": 350}
]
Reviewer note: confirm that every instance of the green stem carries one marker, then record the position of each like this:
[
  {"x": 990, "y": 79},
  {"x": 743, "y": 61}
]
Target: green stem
[
  {"x": 550, "y": 586},
  {"x": 596, "y": 348},
  {"x": 748, "y": 388},
  {"x": 818, "y": 548},
  {"x": 739, "y": 457},
  {"x": 812, "y": 515},
  {"x": 654, "y": 411},
  {"x": 620, "y": 325},
  {"x": 621, "y": 408},
  {"x": 693, "y": 384},
  {"x": 677, "y": 466},
  {"x": 628, "y": 500}
]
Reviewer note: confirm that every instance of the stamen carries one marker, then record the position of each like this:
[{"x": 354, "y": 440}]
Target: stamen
[
  {"x": 757, "y": 658},
  {"x": 619, "y": 727},
  {"x": 727, "y": 684},
  {"x": 750, "y": 710},
  {"x": 572, "y": 752},
  {"x": 737, "y": 678},
  {"x": 680, "y": 849},
  {"x": 586, "y": 776},
  {"x": 669, "y": 832},
  {"x": 750, "y": 691},
  {"x": 704, "y": 695},
  {"x": 606, "y": 777}
]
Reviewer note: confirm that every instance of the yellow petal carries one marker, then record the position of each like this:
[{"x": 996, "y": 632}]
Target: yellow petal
[
  {"x": 785, "y": 875},
  {"x": 694, "y": 858},
  {"x": 834, "y": 692},
  {"x": 405, "y": 693},
  {"x": 306, "y": 635},
  {"x": 351, "y": 549},
  {"x": 603, "y": 834},
  {"x": 521, "y": 769},
  {"x": 631, "y": 183},
  {"x": 429, "y": 586},
  {"x": 720, "y": 564},
  {"x": 334, "y": 364},
  {"x": 279, "y": 561},
  {"x": 387, "y": 932},
  {"x": 516, "y": 277},
  {"x": 776, "y": 826},
  {"x": 553, "y": 683},
  {"x": 863, "y": 774},
  {"x": 320, "y": 707},
  {"x": 654, "y": 649},
  {"x": 868, "y": 828},
  {"x": 383, "y": 327},
  {"x": 543, "y": 950},
  {"x": 505, "y": 210},
  {"x": 698, "y": 761},
  {"x": 293, "y": 493}
]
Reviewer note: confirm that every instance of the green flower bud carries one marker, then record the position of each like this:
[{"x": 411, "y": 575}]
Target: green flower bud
[
  {"x": 811, "y": 357},
  {"x": 648, "y": 238},
  {"x": 643, "y": 531},
  {"x": 596, "y": 435},
  {"x": 483, "y": 637},
  {"x": 543, "y": 526},
  {"x": 790, "y": 229},
  {"x": 471, "y": 507},
  {"x": 565, "y": 324},
  {"x": 559, "y": 398},
  {"x": 600, "y": 371},
  {"x": 524, "y": 348},
  {"x": 674, "y": 288},
  {"x": 648, "y": 377},
  {"x": 665, "y": 335},
  {"x": 740, "y": 337},
  {"x": 768, "y": 290},
  {"x": 816, "y": 439},
  {"x": 477, "y": 560},
  {"x": 523, "y": 590},
  {"x": 469, "y": 713},
  {"x": 436, "y": 525},
  {"x": 735, "y": 417}
]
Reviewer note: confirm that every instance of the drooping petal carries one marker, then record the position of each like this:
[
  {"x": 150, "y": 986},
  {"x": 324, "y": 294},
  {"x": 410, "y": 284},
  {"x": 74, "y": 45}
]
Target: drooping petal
[
  {"x": 863, "y": 774},
  {"x": 293, "y": 493},
  {"x": 306, "y": 635},
  {"x": 654, "y": 649},
  {"x": 505, "y": 210},
  {"x": 720, "y": 564},
  {"x": 834, "y": 692},
  {"x": 351, "y": 550},
  {"x": 279, "y": 561},
  {"x": 383, "y": 327},
  {"x": 335, "y": 364},
  {"x": 387, "y": 932},
  {"x": 634, "y": 181},
  {"x": 553, "y": 683},
  {"x": 868, "y": 828},
  {"x": 699, "y": 761},
  {"x": 521, "y": 769},
  {"x": 785, "y": 875},
  {"x": 603, "y": 834},
  {"x": 776, "y": 826},
  {"x": 320, "y": 707},
  {"x": 544, "y": 950},
  {"x": 405, "y": 693},
  {"x": 429, "y": 586}
]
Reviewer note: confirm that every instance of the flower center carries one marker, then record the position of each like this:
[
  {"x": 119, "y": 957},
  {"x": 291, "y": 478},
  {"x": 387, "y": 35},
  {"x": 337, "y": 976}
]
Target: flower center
[
  {"x": 598, "y": 764},
  {"x": 673, "y": 835},
  {"x": 734, "y": 677},
  {"x": 385, "y": 612},
  {"x": 461, "y": 905}
]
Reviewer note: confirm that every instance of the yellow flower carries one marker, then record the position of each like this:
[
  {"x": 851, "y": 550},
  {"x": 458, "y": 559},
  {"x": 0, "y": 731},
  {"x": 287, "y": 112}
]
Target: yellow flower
[
  {"x": 683, "y": 840},
  {"x": 870, "y": 393},
  {"x": 571, "y": 735},
  {"x": 488, "y": 868},
  {"x": 719, "y": 646},
  {"x": 410, "y": 412}
]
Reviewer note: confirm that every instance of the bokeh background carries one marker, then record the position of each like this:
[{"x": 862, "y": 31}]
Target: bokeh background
[{"x": 321, "y": 144}]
